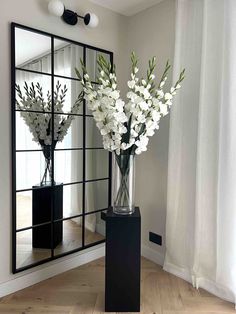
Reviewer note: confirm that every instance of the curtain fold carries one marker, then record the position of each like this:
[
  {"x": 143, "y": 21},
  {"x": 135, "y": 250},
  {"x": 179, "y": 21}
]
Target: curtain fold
[{"x": 201, "y": 200}]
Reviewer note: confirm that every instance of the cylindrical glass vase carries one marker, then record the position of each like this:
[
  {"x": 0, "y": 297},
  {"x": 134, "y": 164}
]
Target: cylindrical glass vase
[
  {"x": 123, "y": 184},
  {"x": 47, "y": 176}
]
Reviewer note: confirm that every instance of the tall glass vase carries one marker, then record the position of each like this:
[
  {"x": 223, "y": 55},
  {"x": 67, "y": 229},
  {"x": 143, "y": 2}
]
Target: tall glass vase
[
  {"x": 47, "y": 175},
  {"x": 123, "y": 184}
]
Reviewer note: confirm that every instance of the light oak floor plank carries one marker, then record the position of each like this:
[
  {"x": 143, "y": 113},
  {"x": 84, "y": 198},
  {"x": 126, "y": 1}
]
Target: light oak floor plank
[{"x": 81, "y": 290}]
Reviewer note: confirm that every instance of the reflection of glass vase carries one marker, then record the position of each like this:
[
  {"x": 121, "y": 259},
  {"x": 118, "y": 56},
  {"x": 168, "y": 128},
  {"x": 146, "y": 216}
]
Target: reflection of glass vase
[
  {"x": 47, "y": 176},
  {"x": 123, "y": 184}
]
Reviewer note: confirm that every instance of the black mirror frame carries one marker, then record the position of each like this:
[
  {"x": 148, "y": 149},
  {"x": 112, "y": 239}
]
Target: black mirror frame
[{"x": 13, "y": 152}]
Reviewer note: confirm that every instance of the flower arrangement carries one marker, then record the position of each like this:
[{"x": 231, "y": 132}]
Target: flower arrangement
[
  {"x": 127, "y": 127},
  {"x": 37, "y": 114}
]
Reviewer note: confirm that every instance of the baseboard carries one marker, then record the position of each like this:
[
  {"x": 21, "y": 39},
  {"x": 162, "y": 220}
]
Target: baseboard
[
  {"x": 26, "y": 280},
  {"x": 152, "y": 255}
]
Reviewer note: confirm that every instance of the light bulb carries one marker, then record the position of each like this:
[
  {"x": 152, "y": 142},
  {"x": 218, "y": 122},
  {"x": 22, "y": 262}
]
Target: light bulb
[
  {"x": 56, "y": 7},
  {"x": 91, "y": 20}
]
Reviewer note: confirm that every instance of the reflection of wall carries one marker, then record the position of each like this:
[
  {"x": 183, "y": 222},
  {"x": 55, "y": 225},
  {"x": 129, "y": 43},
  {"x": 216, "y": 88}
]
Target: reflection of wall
[{"x": 109, "y": 36}]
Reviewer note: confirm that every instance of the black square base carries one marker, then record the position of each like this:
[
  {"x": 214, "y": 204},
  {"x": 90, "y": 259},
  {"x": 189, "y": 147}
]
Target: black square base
[
  {"x": 123, "y": 256},
  {"x": 41, "y": 207}
]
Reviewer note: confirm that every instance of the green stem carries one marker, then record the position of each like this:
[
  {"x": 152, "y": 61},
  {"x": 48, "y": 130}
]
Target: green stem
[{"x": 123, "y": 196}]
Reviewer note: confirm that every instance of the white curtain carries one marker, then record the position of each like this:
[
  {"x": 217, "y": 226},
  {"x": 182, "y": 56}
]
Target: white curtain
[{"x": 201, "y": 204}]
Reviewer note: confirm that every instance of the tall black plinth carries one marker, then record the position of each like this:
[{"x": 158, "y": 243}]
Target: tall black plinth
[
  {"x": 123, "y": 254},
  {"x": 41, "y": 213}
]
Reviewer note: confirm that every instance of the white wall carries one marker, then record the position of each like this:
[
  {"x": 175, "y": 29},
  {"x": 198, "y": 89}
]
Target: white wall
[
  {"x": 148, "y": 33},
  {"x": 151, "y": 33},
  {"x": 34, "y": 13}
]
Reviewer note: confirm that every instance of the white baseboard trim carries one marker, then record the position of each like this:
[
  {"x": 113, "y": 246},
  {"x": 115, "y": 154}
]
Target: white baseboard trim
[
  {"x": 152, "y": 255},
  {"x": 58, "y": 267}
]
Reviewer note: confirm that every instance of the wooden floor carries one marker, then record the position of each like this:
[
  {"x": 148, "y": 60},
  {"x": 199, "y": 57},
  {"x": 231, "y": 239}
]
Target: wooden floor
[
  {"x": 72, "y": 239},
  {"x": 81, "y": 290}
]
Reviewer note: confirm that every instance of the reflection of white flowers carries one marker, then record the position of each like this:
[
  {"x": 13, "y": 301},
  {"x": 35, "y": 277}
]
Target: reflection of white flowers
[
  {"x": 128, "y": 126},
  {"x": 36, "y": 112}
]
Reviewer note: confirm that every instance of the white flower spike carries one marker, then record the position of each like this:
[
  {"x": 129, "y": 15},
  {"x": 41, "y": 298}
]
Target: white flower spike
[{"x": 126, "y": 127}]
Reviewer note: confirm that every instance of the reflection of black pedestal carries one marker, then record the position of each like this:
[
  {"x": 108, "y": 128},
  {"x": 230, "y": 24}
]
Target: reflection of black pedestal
[
  {"x": 42, "y": 202},
  {"x": 123, "y": 234}
]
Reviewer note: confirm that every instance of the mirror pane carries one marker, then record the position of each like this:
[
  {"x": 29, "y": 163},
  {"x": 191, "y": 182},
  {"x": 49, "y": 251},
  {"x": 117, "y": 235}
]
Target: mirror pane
[
  {"x": 72, "y": 200},
  {"x": 68, "y": 166},
  {"x": 96, "y": 195},
  {"x": 91, "y": 62},
  {"x": 32, "y": 130},
  {"x": 71, "y": 235},
  {"x": 23, "y": 209},
  {"x": 97, "y": 164},
  {"x": 66, "y": 58},
  {"x": 33, "y": 51},
  {"x": 31, "y": 169},
  {"x": 93, "y": 135},
  {"x": 34, "y": 207},
  {"x": 28, "y": 250},
  {"x": 69, "y": 90},
  {"x": 70, "y": 135},
  {"x": 94, "y": 228},
  {"x": 33, "y": 91}
]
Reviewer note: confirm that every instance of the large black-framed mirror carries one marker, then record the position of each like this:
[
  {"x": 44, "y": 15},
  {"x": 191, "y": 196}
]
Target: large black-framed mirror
[{"x": 61, "y": 175}]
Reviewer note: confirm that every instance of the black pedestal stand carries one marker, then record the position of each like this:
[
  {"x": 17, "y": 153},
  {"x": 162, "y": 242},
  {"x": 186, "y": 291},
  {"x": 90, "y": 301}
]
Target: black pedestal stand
[
  {"x": 41, "y": 213},
  {"x": 123, "y": 238}
]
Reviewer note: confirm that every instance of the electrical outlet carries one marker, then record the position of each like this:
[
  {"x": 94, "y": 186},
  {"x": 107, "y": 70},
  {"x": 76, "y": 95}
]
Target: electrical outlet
[
  {"x": 103, "y": 216},
  {"x": 155, "y": 238}
]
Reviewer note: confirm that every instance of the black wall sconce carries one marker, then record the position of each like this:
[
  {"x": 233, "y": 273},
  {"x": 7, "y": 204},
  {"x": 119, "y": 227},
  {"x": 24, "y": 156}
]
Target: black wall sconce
[{"x": 57, "y": 8}]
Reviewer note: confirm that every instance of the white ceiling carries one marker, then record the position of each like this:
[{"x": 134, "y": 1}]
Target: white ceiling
[{"x": 126, "y": 7}]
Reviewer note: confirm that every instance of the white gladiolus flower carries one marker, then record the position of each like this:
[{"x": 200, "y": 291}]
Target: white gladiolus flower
[
  {"x": 162, "y": 84},
  {"x": 168, "y": 102},
  {"x": 155, "y": 115},
  {"x": 114, "y": 94},
  {"x": 144, "y": 82},
  {"x": 160, "y": 93},
  {"x": 141, "y": 144},
  {"x": 168, "y": 96},
  {"x": 163, "y": 109},
  {"x": 98, "y": 116},
  {"x": 143, "y": 105},
  {"x": 128, "y": 126},
  {"x": 120, "y": 105},
  {"x": 131, "y": 84}
]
